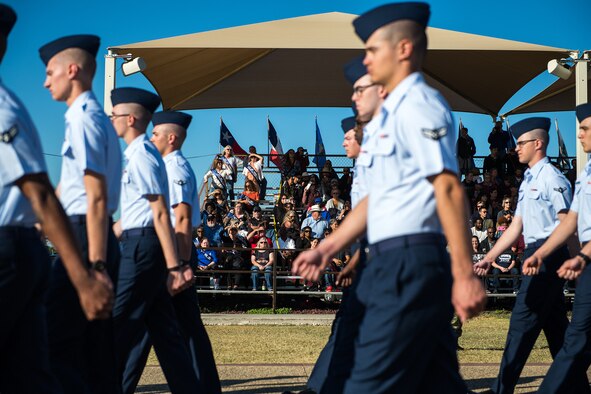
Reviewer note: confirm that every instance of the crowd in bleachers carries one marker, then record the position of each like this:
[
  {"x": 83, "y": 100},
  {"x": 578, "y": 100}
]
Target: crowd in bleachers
[
  {"x": 240, "y": 217},
  {"x": 309, "y": 205}
]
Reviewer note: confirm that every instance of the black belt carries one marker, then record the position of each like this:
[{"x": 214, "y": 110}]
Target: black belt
[
  {"x": 403, "y": 241},
  {"x": 12, "y": 231},
  {"x": 81, "y": 219},
  {"x": 138, "y": 232},
  {"x": 536, "y": 244}
]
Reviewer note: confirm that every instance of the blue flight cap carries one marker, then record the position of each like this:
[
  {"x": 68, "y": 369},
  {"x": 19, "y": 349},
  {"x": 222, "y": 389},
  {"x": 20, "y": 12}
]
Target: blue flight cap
[
  {"x": 373, "y": 19},
  {"x": 179, "y": 118},
  {"x": 88, "y": 42},
  {"x": 583, "y": 111},
  {"x": 348, "y": 123},
  {"x": 529, "y": 124},
  {"x": 7, "y": 19},
  {"x": 148, "y": 100},
  {"x": 355, "y": 69}
]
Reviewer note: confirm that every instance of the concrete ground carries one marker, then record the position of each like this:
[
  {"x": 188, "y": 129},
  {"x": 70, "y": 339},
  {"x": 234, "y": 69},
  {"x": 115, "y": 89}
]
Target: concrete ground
[{"x": 276, "y": 378}]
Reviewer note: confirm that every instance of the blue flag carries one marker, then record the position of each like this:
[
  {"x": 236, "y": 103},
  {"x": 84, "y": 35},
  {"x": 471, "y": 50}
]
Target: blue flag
[{"x": 320, "y": 154}]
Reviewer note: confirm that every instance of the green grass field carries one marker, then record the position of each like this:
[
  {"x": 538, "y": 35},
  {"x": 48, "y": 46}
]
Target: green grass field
[{"x": 483, "y": 341}]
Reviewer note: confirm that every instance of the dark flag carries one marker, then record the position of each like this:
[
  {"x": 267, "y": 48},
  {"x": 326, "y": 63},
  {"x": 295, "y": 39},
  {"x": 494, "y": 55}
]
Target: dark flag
[
  {"x": 320, "y": 153},
  {"x": 226, "y": 138},
  {"x": 276, "y": 152}
]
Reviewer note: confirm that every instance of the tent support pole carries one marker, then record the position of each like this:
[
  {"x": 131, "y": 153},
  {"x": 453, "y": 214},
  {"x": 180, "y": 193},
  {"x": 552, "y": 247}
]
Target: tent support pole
[{"x": 110, "y": 71}]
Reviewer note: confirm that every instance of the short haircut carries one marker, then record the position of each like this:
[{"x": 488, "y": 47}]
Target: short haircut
[{"x": 410, "y": 30}]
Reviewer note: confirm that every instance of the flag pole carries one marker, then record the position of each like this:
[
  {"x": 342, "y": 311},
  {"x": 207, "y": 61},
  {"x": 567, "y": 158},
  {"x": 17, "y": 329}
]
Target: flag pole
[{"x": 268, "y": 147}]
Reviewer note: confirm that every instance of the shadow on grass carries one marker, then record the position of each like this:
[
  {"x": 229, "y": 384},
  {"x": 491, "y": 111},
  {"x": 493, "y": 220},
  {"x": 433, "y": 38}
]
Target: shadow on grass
[
  {"x": 486, "y": 383},
  {"x": 152, "y": 388}
]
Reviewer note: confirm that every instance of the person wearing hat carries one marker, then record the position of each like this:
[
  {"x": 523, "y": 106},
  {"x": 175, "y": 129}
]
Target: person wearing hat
[
  {"x": 414, "y": 198},
  {"x": 168, "y": 135},
  {"x": 572, "y": 360},
  {"x": 254, "y": 171},
  {"x": 28, "y": 197},
  {"x": 543, "y": 202},
  {"x": 151, "y": 270},
  {"x": 367, "y": 98},
  {"x": 316, "y": 222},
  {"x": 89, "y": 190}
]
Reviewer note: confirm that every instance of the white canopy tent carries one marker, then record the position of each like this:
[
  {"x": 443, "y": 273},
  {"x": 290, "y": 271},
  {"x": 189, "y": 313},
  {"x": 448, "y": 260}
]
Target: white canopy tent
[{"x": 297, "y": 62}]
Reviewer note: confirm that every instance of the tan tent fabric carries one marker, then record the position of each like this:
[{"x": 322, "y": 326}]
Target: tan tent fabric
[
  {"x": 298, "y": 62},
  {"x": 560, "y": 96}
]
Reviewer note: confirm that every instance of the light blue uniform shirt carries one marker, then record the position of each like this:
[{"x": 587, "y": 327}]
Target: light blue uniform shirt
[
  {"x": 144, "y": 174},
  {"x": 415, "y": 140},
  {"x": 182, "y": 186},
  {"x": 359, "y": 187},
  {"x": 90, "y": 143},
  {"x": 20, "y": 154},
  {"x": 582, "y": 203},
  {"x": 543, "y": 194}
]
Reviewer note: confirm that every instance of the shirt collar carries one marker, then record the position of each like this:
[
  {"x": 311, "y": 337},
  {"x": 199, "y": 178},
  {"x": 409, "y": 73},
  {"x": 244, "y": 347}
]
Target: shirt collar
[
  {"x": 535, "y": 170},
  {"x": 172, "y": 155},
  {"x": 79, "y": 104},
  {"x": 134, "y": 145},
  {"x": 396, "y": 96}
]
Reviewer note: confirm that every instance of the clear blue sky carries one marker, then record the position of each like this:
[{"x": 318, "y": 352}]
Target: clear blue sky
[{"x": 562, "y": 24}]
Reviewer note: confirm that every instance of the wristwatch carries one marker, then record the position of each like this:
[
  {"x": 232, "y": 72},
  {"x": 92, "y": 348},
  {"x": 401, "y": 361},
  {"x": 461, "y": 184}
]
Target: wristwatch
[
  {"x": 585, "y": 258},
  {"x": 99, "y": 265}
]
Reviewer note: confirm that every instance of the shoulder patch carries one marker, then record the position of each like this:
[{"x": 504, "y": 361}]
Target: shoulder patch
[
  {"x": 435, "y": 134},
  {"x": 180, "y": 182},
  {"x": 560, "y": 189},
  {"x": 8, "y": 135}
]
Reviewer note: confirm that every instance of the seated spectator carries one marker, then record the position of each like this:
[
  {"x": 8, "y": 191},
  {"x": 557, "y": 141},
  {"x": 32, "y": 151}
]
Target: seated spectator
[
  {"x": 346, "y": 182},
  {"x": 469, "y": 185},
  {"x": 316, "y": 222},
  {"x": 249, "y": 196},
  {"x": 305, "y": 239},
  {"x": 208, "y": 260},
  {"x": 297, "y": 191},
  {"x": 292, "y": 216},
  {"x": 502, "y": 225},
  {"x": 489, "y": 241},
  {"x": 290, "y": 164},
  {"x": 285, "y": 245},
  {"x": 345, "y": 211},
  {"x": 218, "y": 175},
  {"x": 476, "y": 255},
  {"x": 239, "y": 214},
  {"x": 328, "y": 168},
  {"x": 256, "y": 234},
  {"x": 311, "y": 192},
  {"x": 221, "y": 204},
  {"x": 478, "y": 230},
  {"x": 234, "y": 258},
  {"x": 279, "y": 208},
  {"x": 288, "y": 186},
  {"x": 486, "y": 222},
  {"x": 262, "y": 260},
  {"x": 208, "y": 209},
  {"x": 213, "y": 231},
  {"x": 325, "y": 185},
  {"x": 506, "y": 208},
  {"x": 335, "y": 205},
  {"x": 505, "y": 264},
  {"x": 198, "y": 235},
  {"x": 256, "y": 219}
]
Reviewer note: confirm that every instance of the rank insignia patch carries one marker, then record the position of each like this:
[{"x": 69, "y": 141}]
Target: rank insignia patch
[
  {"x": 435, "y": 134},
  {"x": 9, "y": 135}
]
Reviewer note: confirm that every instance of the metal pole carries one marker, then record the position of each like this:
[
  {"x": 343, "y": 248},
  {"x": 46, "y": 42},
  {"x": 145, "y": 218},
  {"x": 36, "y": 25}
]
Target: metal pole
[
  {"x": 274, "y": 285},
  {"x": 581, "y": 97},
  {"x": 110, "y": 71}
]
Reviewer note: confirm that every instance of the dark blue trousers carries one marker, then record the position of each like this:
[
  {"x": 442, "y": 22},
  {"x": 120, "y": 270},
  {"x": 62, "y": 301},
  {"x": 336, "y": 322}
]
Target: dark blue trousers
[
  {"x": 539, "y": 306},
  {"x": 574, "y": 358},
  {"x": 404, "y": 331},
  {"x": 186, "y": 307},
  {"x": 81, "y": 352},
  {"x": 142, "y": 305},
  {"x": 24, "y": 269},
  {"x": 336, "y": 359}
]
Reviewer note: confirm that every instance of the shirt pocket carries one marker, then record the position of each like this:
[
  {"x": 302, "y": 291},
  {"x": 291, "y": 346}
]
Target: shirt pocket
[{"x": 384, "y": 145}]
